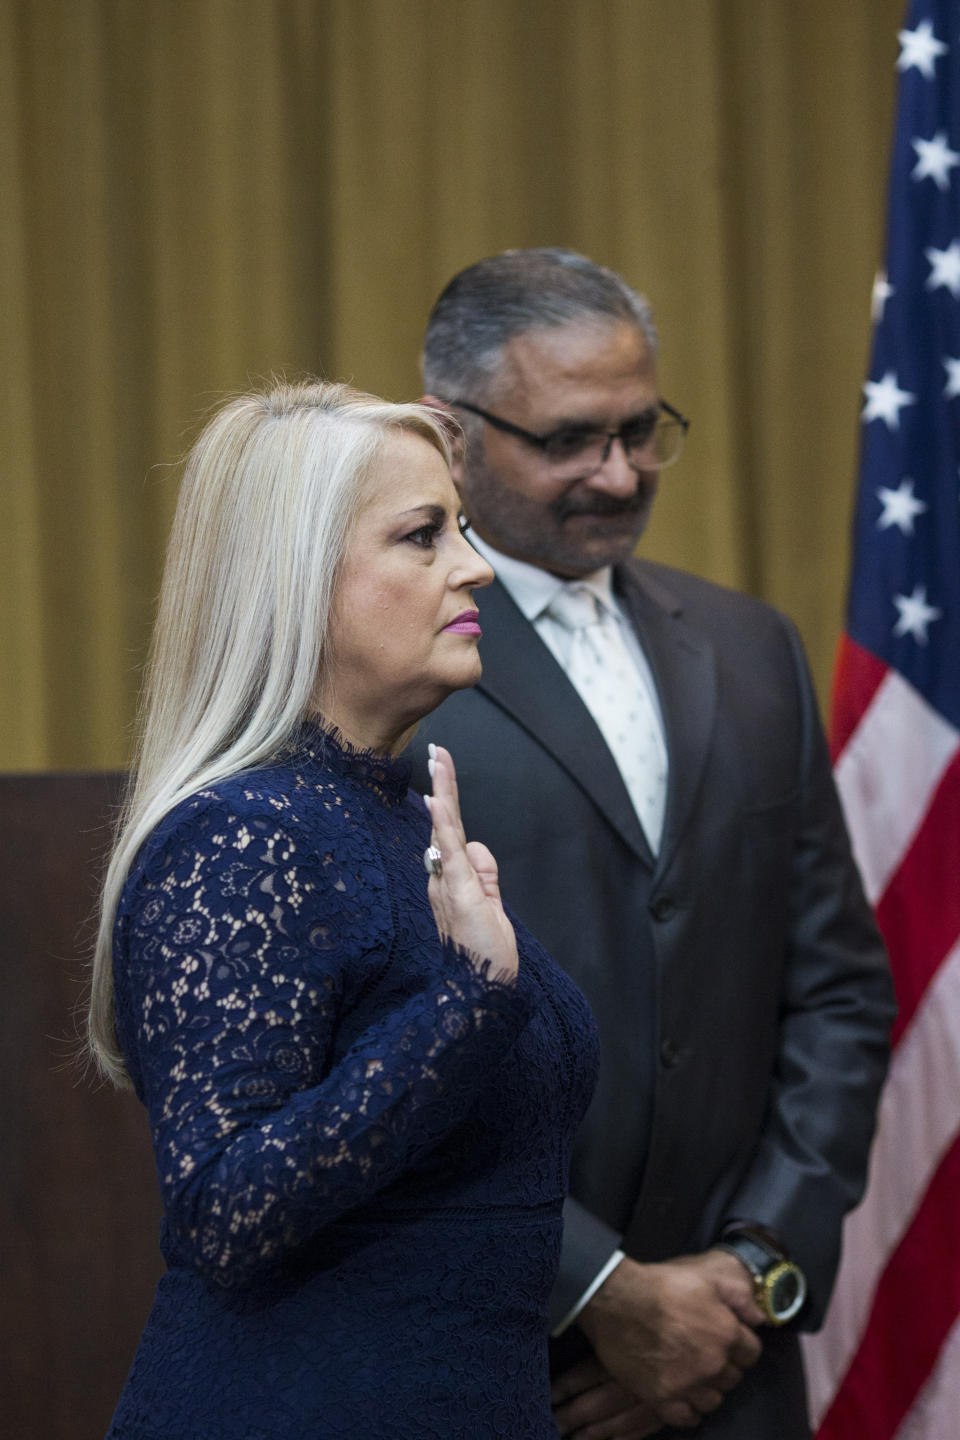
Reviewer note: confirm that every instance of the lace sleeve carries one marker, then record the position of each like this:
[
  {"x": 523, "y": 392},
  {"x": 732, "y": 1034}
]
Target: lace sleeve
[{"x": 242, "y": 947}]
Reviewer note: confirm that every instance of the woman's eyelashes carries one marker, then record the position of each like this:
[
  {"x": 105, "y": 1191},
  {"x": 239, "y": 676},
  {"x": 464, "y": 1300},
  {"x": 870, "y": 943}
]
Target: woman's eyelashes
[{"x": 425, "y": 536}]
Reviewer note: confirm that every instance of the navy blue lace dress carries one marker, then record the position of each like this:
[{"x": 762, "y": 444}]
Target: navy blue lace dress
[{"x": 361, "y": 1141}]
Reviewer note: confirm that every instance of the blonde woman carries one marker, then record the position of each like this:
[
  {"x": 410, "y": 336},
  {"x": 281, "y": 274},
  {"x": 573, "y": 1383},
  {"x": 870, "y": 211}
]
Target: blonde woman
[{"x": 361, "y": 1077}]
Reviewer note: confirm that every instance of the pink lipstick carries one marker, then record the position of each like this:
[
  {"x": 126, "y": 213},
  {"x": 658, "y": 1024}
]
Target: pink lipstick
[{"x": 465, "y": 624}]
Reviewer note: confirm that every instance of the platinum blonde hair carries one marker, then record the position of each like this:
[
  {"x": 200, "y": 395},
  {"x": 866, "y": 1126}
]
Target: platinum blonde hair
[{"x": 269, "y": 494}]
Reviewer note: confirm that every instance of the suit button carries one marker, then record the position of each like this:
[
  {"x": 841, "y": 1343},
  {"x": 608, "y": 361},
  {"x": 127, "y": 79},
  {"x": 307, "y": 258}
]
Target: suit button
[
  {"x": 669, "y": 1053},
  {"x": 662, "y": 908}
]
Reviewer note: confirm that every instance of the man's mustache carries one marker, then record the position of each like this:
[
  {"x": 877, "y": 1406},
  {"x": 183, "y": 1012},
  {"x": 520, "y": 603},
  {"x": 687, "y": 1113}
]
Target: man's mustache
[{"x": 600, "y": 505}]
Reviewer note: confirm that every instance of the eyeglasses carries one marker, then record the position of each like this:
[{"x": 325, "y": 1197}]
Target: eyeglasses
[{"x": 650, "y": 441}]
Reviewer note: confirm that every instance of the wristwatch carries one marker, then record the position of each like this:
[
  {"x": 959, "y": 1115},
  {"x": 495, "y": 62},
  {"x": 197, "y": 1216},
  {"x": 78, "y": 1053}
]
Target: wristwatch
[{"x": 779, "y": 1286}]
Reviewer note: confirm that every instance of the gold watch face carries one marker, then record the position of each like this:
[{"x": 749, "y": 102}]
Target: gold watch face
[{"x": 781, "y": 1292}]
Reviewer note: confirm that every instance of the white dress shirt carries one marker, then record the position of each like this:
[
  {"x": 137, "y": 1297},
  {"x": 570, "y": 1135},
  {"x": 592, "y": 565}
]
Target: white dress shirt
[{"x": 533, "y": 590}]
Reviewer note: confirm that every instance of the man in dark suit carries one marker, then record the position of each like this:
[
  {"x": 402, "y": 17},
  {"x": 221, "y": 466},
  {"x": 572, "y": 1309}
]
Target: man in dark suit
[{"x": 644, "y": 757}]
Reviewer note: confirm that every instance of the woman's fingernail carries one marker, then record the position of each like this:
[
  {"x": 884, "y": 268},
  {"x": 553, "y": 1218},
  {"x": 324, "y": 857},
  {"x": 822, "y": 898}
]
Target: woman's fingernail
[
  {"x": 431, "y": 766},
  {"x": 432, "y": 751},
  {"x": 426, "y": 800}
]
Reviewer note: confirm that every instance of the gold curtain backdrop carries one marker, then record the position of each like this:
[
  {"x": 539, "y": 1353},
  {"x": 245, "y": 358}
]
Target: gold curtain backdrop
[{"x": 198, "y": 193}]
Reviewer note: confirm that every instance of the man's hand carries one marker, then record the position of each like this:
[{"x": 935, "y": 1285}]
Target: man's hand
[
  {"x": 677, "y": 1334},
  {"x": 588, "y": 1404}
]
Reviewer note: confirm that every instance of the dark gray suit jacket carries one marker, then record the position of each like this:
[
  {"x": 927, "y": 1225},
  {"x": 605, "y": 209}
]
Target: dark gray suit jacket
[{"x": 740, "y": 987}]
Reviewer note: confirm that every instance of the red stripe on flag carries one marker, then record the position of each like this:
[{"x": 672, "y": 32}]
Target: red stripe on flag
[
  {"x": 915, "y": 1306},
  {"x": 919, "y": 912},
  {"x": 857, "y": 676}
]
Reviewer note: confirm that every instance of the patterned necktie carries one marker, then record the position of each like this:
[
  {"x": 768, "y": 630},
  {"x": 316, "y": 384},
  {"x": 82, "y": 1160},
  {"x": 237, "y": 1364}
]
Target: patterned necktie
[{"x": 608, "y": 681}]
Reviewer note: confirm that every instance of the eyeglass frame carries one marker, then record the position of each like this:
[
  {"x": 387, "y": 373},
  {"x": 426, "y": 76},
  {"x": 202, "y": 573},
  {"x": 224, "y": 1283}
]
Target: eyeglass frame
[{"x": 541, "y": 441}]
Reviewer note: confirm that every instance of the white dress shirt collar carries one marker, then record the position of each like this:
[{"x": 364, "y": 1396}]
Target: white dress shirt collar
[{"x": 533, "y": 589}]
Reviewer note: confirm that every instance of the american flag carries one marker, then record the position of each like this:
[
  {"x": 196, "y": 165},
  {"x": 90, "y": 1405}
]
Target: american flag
[{"x": 887, "y": 1362}]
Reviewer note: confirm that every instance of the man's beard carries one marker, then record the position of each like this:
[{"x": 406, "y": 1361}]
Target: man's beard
[{"x": 556, "y": 534}]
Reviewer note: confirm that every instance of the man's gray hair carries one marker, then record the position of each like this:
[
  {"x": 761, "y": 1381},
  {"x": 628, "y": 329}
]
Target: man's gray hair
[{"x": 486, "y": 305}]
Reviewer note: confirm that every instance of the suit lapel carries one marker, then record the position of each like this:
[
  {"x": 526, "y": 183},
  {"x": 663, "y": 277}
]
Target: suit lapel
[
  {"x": 521, "y": 676},
  {"x": 684, "y": 669}
]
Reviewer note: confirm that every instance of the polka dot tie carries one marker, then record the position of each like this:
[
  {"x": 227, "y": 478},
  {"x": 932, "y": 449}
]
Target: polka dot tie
[{"x": 613, "y": 690}]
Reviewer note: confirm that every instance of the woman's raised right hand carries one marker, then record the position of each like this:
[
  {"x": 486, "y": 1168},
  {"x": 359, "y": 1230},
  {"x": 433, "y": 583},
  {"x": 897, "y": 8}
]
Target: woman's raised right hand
[{"x": 465, "y": 897}]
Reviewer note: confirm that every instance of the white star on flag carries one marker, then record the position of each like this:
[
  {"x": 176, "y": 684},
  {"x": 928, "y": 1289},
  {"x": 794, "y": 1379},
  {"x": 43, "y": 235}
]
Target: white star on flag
[
  {"x": 952, "y": 368},
  {"x": 919, "y": 49},
  {"x": 915, "y": 614},
  {"x": 879, "y": 297},
  {"x": 934, "y": 159},
  {"x": 885, "y": 400},
  {"x": 900, "y": 507},
  {"x": 945, "y": 268}
]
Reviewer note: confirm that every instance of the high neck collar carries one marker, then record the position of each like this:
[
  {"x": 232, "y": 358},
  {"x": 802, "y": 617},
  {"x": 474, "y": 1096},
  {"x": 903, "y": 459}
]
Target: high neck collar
[{"x": 387, "y": 776}]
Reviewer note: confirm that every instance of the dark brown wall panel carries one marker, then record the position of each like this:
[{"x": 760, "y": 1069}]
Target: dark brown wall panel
[{"x": 78, "y": 1202}]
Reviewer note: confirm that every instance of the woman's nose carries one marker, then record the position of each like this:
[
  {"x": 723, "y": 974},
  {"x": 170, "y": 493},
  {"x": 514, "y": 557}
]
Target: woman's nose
[{"x": 471, "y": 568}]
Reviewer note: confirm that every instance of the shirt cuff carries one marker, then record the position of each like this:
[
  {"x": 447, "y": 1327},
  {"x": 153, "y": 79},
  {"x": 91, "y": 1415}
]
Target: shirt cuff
[{"x": 589, "y": 1293}]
